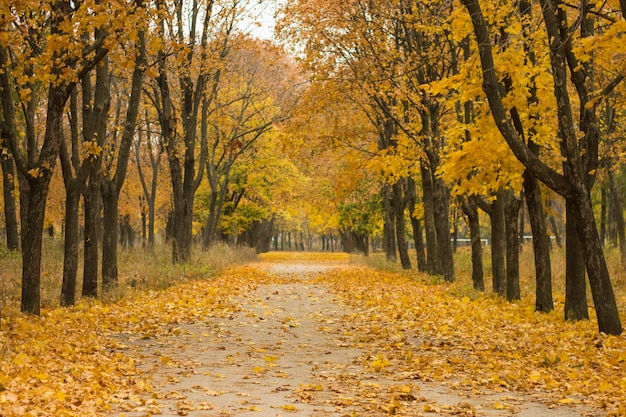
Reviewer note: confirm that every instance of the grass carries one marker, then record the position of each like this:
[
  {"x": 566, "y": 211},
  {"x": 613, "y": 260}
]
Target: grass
[{"x": 139, "y": 270}]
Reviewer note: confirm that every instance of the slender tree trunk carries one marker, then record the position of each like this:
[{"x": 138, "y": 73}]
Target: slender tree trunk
[
  {"x": 511, "y": 214},
  {"x": 10, "y": 208},
  {"x": 389, "y": 225},
  {"x": 91, "y": 199},
  {"x": 541, "y": 244},
  {"x": 442, "y": 224},
  {"x": 110, "y": 223},
  {"x": 70, "y": 261},
  {"x": 498, "y": 246},
  {"x": 603, "y": 214},
  {"x": 433, "y": 265},
  {"x": 398, "y": 207},
  {"x": 470, "y": 209},
  {"x": 416, "y": 224}
]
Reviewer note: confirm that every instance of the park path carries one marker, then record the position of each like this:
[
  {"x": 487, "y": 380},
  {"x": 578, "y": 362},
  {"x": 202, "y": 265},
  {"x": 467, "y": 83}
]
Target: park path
[{"x": 283, "y": 351}]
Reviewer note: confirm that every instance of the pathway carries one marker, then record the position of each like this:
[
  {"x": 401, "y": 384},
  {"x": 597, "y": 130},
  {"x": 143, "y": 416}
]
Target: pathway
[{"x": 284, "y": 352}]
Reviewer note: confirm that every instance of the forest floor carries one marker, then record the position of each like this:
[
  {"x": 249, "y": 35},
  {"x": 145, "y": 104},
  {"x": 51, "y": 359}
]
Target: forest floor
[{"x": 289, "y": 346}]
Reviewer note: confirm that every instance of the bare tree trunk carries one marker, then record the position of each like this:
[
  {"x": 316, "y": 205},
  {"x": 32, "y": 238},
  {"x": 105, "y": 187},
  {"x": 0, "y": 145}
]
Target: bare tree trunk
[
  {"x": 398, "y": 207},
  {"x": 470, "y": 209},
  {"x": 575, "y": 284},
  {"x": 511, "y": 213},
  {"x": 389, "y": 225},
  {"x": 433, "y": 265},
  {"x": 541, "y": 244},
  {"x": 416, "y": 224},
  {"x": 498, "y": 246}
]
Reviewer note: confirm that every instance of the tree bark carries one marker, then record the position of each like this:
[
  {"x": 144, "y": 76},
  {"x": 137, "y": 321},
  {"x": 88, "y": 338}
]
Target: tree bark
[
  {"x": 498, "y": 246},
  {"x": 416, "y": 224},
  {"x": 433, "y": 265},
  {"x": 91, "y": 238},
  {"x": 511, "y": 214},
  {"x": 470, "y": 209},
  {"x": 541, "y": 244},
  {"x": 442, "y": 224},
  {"x": 389, "y": 224},
  {"x": 575, "y": 284},
  {"x": 398, "y": 208}
]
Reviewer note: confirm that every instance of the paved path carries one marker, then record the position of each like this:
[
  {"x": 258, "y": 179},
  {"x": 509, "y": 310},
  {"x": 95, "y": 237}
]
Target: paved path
[{"x": 282, "y": 352}]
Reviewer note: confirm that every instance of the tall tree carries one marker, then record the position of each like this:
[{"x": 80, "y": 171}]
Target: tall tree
[
  {"x": 46, "y": 44},
  {"x": 577, "y": 166},
  {"x": 117, "y": 162}
]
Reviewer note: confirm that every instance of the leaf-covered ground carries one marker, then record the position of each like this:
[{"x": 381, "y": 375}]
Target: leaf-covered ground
[{"x": 308, "y": 335}]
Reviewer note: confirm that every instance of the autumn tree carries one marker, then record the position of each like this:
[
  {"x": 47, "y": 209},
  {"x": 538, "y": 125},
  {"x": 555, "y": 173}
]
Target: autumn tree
[
  {"x": 45, "y": 49},
  {"x": 256, "y": 92},
  {"x": 578, "y": 142},
  {"x": 117, "y": 156}
]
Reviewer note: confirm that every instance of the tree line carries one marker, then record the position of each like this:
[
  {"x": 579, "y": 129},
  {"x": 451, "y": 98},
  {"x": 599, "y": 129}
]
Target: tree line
[
  {"x": 179, "y": 91},
  {"x": 382, "y": 120}
]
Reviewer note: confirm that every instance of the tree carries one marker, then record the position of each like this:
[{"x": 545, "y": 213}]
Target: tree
[
  {"x": 47, "y": 46},
  {"x": 578, "y": 167},
  {"x": 116, "y": 161}
]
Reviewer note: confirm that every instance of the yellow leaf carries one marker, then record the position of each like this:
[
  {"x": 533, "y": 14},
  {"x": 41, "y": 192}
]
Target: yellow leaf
[{"x": 535, "y": 376}]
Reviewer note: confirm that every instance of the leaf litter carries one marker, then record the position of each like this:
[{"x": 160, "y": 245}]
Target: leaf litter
[{"x": 316, "y": 337}]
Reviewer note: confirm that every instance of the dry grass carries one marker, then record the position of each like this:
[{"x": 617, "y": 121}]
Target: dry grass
[{"x": 139, "y": 270}]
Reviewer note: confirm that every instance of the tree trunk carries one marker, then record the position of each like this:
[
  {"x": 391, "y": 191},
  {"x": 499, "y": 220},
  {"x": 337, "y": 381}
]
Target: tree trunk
[
  {"x": 91, "y": 199},
  {"x": 70, "y": 257},
  {"x": 110, "y": 237},
  {"x": 498, "y": 245},
  {"x": 541, "y": 244},
  {"x": 575, "y": 284},
  {"x": 433, "y": 265},
  {"x": 603, "y": 214},
  {"x": 470, "y": 209},
  {"x": 511, "y": 214},
  {"x": 442, "y": 225},
  {"x": 416, "y": 225},
  {"x": 10, "y": 209},
  {"x": 389, "y": 224},
  {"x": 398, "y": 207},
  {"x": 32, "y": 233}
]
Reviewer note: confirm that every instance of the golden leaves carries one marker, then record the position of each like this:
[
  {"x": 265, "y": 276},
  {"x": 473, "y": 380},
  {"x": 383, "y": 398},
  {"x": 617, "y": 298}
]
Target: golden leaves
[
  {"x": 69, "y": 362},
  {"x": 485, "y": 343}
]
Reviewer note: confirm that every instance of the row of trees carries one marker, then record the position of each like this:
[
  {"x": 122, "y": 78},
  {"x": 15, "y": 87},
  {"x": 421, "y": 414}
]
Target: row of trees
[
  {"x": 177, "y": 89},
  {"x": 476, "y": 103},
  {"x": 405, "y": 110}
]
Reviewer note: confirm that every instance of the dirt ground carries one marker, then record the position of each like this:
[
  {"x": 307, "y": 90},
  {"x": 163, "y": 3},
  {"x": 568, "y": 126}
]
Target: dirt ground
[{"x": 283, "y": 352}]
